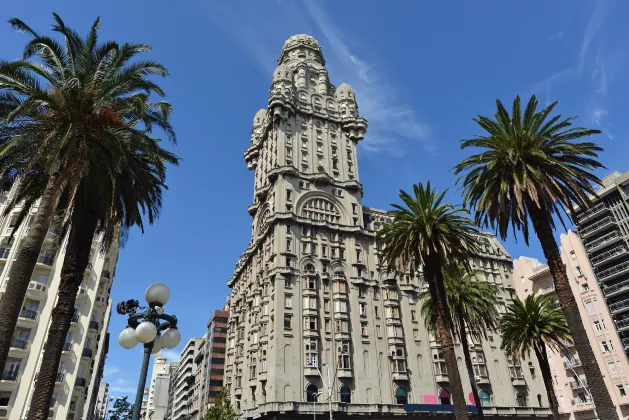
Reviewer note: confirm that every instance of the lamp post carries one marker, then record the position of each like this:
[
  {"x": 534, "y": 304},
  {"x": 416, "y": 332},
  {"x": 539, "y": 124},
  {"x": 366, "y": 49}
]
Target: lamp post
[
  {"x": 152, "y": 327},
  {"x": 329, "y": 385},
  {"x": 314, "y": 405}
]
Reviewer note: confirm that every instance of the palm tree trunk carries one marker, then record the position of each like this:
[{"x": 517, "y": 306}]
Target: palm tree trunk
[
  {"x": 470, "y": 368},
  {"x": 22, "y": 269},
  {"x": 72, "y": 273},
  {"x": 544, "y": 366},
  {"x": 600, "y": 394},
  {"x": 443, "y": 320}
]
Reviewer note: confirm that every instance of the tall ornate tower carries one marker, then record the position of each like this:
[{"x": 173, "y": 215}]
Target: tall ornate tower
[{"x": 309, "y": 289}]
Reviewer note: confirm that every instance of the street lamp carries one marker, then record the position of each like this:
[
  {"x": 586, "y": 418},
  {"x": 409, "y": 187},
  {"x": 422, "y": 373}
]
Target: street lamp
[
  {"x": 153, "y": 328},
  {"x": 329, "y": 385}
]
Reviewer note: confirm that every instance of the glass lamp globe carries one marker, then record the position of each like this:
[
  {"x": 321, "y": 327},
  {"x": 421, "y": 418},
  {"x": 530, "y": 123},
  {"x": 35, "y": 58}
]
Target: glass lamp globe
[
  {"x": 171, "y": 338},
  {"x": 158, "y": 294},
  {"x": 157, "y": 345},
  {"x": 145, "y": 332},
  {"x": 127, "y": 338}
]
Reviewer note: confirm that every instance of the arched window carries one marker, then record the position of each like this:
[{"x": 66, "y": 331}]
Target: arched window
[
  {"x": 321, "y": 209},
  {"x": 444, "y": 397},
  {"x": 345, "y": 395},
  {"x": 485, "y": 400},
  {"x": 401, "y": 396},
  {"x": 311, "y": 393},
  {"x": 399, "y": 352}
]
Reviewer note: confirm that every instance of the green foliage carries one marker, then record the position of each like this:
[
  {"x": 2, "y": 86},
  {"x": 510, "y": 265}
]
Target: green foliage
[
  {"x": 222, "y": 408},
  {"x": 81, "y": 111},
  {"x": 472, "y": 302},
  {"x": 531, "y": 324},
  {"x": 527, "y": 164},
  {"x": 122, "y": 410},
  {"x": 425, "y": 226}
]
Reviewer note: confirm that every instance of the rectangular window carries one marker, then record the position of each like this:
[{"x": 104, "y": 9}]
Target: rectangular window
[
  {"x": 589, "y": 305},
  {"x": 363, "y": 309},
  {"x": 340, "y": 306},
  {"x": 310, "y": 302},
  {"x": 310, "y": 323},
  {"x": 597, "y": 326},
  {"x": 376, "y": 311},
  {"x": 342, "y": 325},
  {"x": 326, "y": 305},
  {"x": 362, "y": 291},
  {"x": 605, "y": 346},
  {"x": 413, "y": 316},
  {"x": 358, "y": 255},
  {"x": 378, "y": 331},
  {"x": 324, "y": 251},
  {"x": 327, "y": 325},
  {"x": 289, "y": 244},
  {"x": 262, "y": 365},
  {"x": 376, "y": 293},
  {"x": 287, "y": 320},
  {"x": 289, "y": 195},
  {"x": 415, "y": 334},
  {"x": 579, "y": 271},
  {"x": 612, "y": 367},
  {"x": 288, "y": 301},
  {"x": 363, "y": 329},
  {"x": 344, "y": 356},
  {"x": 621, "y": 390}
]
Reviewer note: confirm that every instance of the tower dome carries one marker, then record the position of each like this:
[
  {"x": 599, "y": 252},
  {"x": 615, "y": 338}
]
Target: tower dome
[
  {"x": 301, "y": 42},
  {"x": 259, "y": 118},
  {"x": 344, "y": 91}
]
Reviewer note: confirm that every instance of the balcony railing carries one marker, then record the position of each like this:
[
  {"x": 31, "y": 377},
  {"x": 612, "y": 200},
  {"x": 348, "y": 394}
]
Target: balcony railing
[
  {"x": 581, "y": 400},
  {"x": 94, "y": 325},
  {"x": 619, "y": 250},
  {"x": 4, "y": 252},
  {"x": 9, "y": 376},
  {"x": 596, "y": 226},
  {"x": 591, "y": 211},
  {"x": 616, "y": 287},
  {"x": 619, "y": 305},
  {"x": 80, "y": 382},
  {"x": 87, "y": 353},
  {"x": 578, "y": 384},
  {"x": 16, "y": 343},
  {"x": 618, "y": 268},
  {"x": 603, "y": 240},
  {"x": 622, "y": 323},
  {"x": 571, "y": 363},
  {"x": 25, "y": 313},
  {"x": 46, "y": 259}
]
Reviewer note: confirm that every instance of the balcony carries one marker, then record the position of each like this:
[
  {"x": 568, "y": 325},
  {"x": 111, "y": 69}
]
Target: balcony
[
  {"x": 598, "y": 209},
  {"x": 584, "y": 402},
  {"x": 46, "y": 260},
  {"x": 603, "y": 241},
  {"x": 67, "y": 347},
  {"x": 618, "y": 307},
  {"x": 482, "y": 380},
  {"x": 616, "y": 289},
  {"x": 517, "y": 380},
  {"x": 9, "y": 376},
  {"x": 80, "y": 383},
  {"x": 578, "y": 384},
  {"x": 81, "y": 293},
  {"x": 87, "y": 353},
  {"x": 16, "y": 343},
  {"x": 604, "y": 223},
  {"x": 36, "y": 290},
  {"x": 51, "y": 236},
  {"x": 610, "y": 255},
  {"x": 59, "y": 378},
  {"x": 75, "y": 318},
  {"x": 614, "y": 271},
  {"x": 94, "y": 325},
  {"x": 4, "y": 252},
  {"x": 399, "y": 376},
  {"x": 106, "y": 274},
  {"x": 569, "y": 364},
  {"x": 546, "y": 290},
  {"x": 28, "y": 314}
]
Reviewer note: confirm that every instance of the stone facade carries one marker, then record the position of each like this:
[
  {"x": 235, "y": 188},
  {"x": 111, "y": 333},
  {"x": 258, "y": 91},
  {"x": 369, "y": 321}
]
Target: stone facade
[
  {"x": 310, "y": 288},
  {"x": 533, "y": 277}
]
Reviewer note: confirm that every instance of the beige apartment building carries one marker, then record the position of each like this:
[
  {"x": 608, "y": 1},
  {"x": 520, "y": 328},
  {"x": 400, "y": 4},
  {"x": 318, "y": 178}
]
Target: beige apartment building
[
  {"x": 102, "y": 402},
  {"x": 157, "y": 404},
  {"x": 309, "y": 293},
  {"x": 86, "y": 345},
  {"x": 571, "y": 388}
]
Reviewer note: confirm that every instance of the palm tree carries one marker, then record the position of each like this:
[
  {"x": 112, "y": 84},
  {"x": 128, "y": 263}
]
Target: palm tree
[
  {"x": 530, "y": 166},
  {"x": 56, "y": 103},
  {"x": 535, "y": 325},
  {"x": 429, "y": 233},
  {"x": 473, "y": 306}
]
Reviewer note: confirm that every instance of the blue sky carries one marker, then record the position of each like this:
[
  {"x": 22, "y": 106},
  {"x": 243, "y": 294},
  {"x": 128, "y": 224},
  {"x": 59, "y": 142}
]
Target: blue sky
[{"x": 421, "y": 72}]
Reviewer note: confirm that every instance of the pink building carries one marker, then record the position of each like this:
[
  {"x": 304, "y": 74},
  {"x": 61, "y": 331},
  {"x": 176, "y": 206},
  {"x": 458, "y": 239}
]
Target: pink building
[{"x": 533, "y": 277}]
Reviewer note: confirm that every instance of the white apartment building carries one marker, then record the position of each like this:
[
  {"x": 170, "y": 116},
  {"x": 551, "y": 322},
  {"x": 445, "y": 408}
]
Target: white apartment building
[
  {"x": 158, "y": 389},
  {"x": 533, "y": 277},
  {"x": 80, "y": 369},
  {"x": 102, "y": 402},
  {"x": 182, "y": 385}
]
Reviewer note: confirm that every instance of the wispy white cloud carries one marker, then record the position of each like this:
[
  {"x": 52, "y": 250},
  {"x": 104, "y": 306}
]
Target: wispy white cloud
[
  {"x": 598, "y": 114},
  {"x": 118, "y": 383},
  {"x": 594, "y": 25},
  {"x": 555, "y": 36},
  {"x": 110, "y": 370},
  {"x": 392, "y": 121},
  {"x": 171, "y": 355}
]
